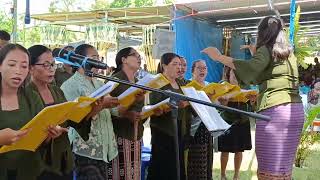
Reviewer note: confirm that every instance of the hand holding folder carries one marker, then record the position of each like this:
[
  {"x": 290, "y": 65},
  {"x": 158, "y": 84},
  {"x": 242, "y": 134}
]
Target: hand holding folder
[
  {"x": 217, "y": 89},
  {"x": 226, "y": 90},
  {"x": 150, "y": 110},
  {"x": 243, "y": 96}
]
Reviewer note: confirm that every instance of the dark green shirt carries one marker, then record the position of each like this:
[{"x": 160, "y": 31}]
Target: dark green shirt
[
  {"x": 123, "y": 127},
  {"x": 165, "y": 122},
  {"x": 58, "y": 157},
  {"x": 278, "y": 80},
  {"x": 26, "y": 165}
]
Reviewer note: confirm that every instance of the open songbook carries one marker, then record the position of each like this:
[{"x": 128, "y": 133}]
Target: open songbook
[
  {"x": 105, "y": 89},
  {"x": 242, "y": 96},
  {"x": 225, "y": 89},
  {"x": 208, "y": 115},
  {"x": 149, "y": 110},
  {"x": 55, "y": 115},
  {"x": 150, "y": 80}
]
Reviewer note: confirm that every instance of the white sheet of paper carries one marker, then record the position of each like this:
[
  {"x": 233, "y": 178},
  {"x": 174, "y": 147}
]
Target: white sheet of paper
[
  {"x": 208, "y": 115},
  {"x": 155, "y": 106},
  {"x": 142, "y": 81},
  {"x": 104, "y": 90},
  {"x": 213, "y": 112}
]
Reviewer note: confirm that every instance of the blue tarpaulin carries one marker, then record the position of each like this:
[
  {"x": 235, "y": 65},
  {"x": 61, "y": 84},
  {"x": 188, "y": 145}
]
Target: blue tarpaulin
[
  {"x": 194, "y": 35},
  {"x": 236, "y": 41}
]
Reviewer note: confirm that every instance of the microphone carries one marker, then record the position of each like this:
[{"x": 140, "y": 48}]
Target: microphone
[{"x": 85, "y": 62}]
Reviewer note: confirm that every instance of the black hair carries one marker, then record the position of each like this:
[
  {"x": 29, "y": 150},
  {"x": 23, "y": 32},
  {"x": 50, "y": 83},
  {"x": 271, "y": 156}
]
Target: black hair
[
  {"x": 194, "y": 63},
  {"x": 4, "y": 35},
  {"x": 10, "y": 47},
  {"x": 69, "y": 47},
  {"x": 36, "y": 51},
  {"x": 166, "y": 58},
  {"x": 55, "y": 52},
  {"x": 123, "y": 53},
  {"x": 82, "y": 49},
  {"x": 272, "y": 35},
  {"x": 6, "y": 50}
]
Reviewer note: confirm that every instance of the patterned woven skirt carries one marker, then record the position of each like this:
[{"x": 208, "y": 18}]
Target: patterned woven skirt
[
  {"x": 90, "y": 169},
  {"x": 127, "y": 165},
  {"x": 200, "y": 156},
  {"x": 277, "y": 141}
]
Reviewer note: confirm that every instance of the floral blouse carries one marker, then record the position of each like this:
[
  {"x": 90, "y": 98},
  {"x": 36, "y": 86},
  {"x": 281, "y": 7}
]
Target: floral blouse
[{"x": 102, "y": 143}]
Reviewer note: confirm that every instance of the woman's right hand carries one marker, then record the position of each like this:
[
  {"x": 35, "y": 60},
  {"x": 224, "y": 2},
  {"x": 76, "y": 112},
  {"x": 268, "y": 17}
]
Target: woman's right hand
[
  {"x": 110, "y": 102},
  {"x": 9, "y": 136},
  {"x": 211, "y": 94},
  {"x": 96, "y": 108},
  {"x": 158, "y": 112},
  {"x": 140, "y": 96},
  {"x": 133, "y": 116},
  {"x": 223, "y": 101},
  {"x": 212, "y": 52}
]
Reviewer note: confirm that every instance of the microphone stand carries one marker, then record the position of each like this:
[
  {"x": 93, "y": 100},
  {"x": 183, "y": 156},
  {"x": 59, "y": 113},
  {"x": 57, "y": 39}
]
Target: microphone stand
[
  {"x": 179, "y": 97},
  {"x": 174, "y": 100}
]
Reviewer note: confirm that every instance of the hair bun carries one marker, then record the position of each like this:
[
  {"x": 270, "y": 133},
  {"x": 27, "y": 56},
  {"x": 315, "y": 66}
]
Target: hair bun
[{"x": 272, "y": 20}]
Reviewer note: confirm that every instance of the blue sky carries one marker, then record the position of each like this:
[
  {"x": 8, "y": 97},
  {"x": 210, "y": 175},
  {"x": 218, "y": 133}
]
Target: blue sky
[{"x": 36, "y": 6}]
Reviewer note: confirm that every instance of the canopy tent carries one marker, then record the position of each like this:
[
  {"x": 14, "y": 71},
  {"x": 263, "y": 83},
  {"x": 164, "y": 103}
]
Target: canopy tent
[
  {"x": 244, "y": 15},
  {"x": 202, "y": 22}
]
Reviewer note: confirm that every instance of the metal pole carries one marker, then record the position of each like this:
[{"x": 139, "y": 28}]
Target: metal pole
[
  {"x": 15, "y": 21},
  {"x": 178, "y": 96}
]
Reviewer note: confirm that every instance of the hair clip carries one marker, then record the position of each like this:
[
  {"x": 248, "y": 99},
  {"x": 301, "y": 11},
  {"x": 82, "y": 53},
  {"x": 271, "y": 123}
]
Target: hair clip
[{"x": 272, "y": 20}]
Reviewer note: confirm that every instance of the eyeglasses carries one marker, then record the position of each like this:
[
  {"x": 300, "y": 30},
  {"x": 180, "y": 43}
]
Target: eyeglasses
[
  {"x": 48, "y": 65},
  {"x": 135, "y": 55},
  {"x": 202, "y": 68}
]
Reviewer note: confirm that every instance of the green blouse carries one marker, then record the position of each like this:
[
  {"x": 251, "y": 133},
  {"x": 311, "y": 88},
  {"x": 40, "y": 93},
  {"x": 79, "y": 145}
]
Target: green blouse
[
  {"x": 101, "y": 143},
  {"x": 165, "y": 122},
  {"x": 59, "y": 157},
  {"x": 278, "y": 81},
  {"x": 123, "y": 127},
  {"x": 26, "y": 165}
]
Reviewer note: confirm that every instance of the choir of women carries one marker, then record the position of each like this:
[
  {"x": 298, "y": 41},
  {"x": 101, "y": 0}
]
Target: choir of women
[{"x": 107, "y": 143}]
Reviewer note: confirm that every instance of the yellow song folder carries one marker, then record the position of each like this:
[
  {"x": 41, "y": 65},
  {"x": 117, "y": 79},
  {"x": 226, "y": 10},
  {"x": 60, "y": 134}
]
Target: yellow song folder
[
  {"x": 195, "y": 84},
  {"x": 217, "y": 89},
  {"x": 149, "y": 110},
  {"x": 55, "y": 115},
  {"x": 242, "y": 96},
  {"x": 150, "y": 80},
  {"x": 51, "y": 115}
]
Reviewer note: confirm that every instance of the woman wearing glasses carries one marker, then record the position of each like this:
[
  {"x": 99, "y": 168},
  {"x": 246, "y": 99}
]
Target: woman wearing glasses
[
  {"x": 200, "y": 157},
  {"x": 58, "y": 158},
  {"x": 128, "y": 126},
  {"x": 19, "y": 104}
]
